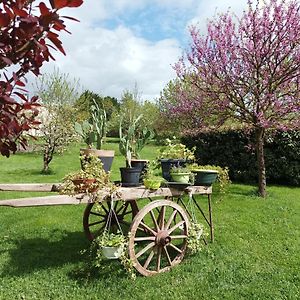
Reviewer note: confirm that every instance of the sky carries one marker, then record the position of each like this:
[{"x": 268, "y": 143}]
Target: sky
[{"x": 122, "y": 43}]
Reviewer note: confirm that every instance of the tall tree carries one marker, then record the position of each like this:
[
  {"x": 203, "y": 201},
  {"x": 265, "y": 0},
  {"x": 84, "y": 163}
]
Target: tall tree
[
  {"x": 245, "y": 69},
  {"x": 58, "y": 94},
  {"x": 26, "y": 28}
]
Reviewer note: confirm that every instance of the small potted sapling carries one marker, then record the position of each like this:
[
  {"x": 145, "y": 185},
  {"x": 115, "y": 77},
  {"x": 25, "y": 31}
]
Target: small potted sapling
[
  {"x": 93, "y": 132},
  {"x": 150, "y": 179},
  {"x": 130, "y": 176}
]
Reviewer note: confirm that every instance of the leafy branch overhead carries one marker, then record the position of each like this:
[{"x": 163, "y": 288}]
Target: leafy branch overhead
[{"x": 29, "y": 30}]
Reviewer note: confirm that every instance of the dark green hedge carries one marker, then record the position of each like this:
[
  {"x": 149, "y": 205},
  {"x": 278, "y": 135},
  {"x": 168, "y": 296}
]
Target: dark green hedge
[{"x": 236, "y": 150}]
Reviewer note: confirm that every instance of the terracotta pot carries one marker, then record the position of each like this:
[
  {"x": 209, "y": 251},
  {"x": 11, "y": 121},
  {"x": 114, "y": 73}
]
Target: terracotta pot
[{"x": 84, "y": 184}]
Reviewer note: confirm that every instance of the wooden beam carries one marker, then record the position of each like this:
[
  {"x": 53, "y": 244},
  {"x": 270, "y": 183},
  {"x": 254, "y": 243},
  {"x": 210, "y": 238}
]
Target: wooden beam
[
  {"x": 30, "y": 187},
  {"x": 43, "y": 201}
]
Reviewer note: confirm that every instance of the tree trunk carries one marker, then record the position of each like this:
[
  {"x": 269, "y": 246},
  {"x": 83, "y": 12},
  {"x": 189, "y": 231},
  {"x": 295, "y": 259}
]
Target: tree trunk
[
  {"x": 48, "y": 155},
  {"x": 260, "y": 135}
]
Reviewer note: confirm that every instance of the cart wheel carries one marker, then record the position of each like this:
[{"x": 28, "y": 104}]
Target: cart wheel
[
  {"x": 158, "y": 237},
  {"x": 95, "y": 217}
]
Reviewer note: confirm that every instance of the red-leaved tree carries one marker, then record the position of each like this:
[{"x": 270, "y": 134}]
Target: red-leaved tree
[
  {"x": 28, "y": 32},
  {"x": 244, "y": 70}
]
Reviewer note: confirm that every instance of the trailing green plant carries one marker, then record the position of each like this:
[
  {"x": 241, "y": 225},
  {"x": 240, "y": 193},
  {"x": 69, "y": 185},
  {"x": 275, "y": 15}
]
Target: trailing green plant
[
  {"x": 92, "y": 168},
  {"x": 195, "y": 238},
  {"x": 175, "y": 150},
  {"x": 95, "y": 253},
  {"x": 223, "y": 181}
]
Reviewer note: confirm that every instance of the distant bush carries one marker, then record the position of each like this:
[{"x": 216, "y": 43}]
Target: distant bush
[{"x": 235, "y": 149}]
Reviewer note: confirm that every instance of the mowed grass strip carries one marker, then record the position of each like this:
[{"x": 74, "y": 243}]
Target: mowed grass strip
[{"x": 256, "y": 254}]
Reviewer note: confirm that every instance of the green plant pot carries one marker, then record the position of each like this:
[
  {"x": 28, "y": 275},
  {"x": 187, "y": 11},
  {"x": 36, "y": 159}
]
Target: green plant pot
[
  {"x": 181, "y": 177},
  {"x": 111, "y": 252},
  {"x": 152, "y": 184},
  {"x": 205, "y": 177}
]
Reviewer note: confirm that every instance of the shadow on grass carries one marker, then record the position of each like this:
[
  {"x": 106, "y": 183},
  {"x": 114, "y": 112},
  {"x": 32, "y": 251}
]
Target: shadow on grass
[
  {"x": 244, "y": 190},
  {"x": 28, "y": 255}
]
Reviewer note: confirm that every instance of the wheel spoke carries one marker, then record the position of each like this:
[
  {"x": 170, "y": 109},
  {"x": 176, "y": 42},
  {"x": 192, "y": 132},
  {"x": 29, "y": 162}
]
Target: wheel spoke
[
  {"x": 158, "y": 259},
  {"x": 149, "y": 246},
  {"x": 174, "y": 247},
  {"x": 182, "y": 236},
  {"x": 154, "y": 220},
  {"x": 171, "y": 219},
  {"x": 144, "y": 238},
  {"x": 127, "y": 213},
  {"x": 95, "y": 223},
  {"x": 161, "y": 217},
  {"x": 176, "y": 226},
  {"x": 147, "y": 228},
  {"x": 96, "y": 214},
  {"x": 149, "y": 258},
  {"x": 103, "y": 206},
  {"x": 168, "y": 256}
]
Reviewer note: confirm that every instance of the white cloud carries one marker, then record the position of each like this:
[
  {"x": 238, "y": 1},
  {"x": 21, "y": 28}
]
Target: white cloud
[{"x": 108, "y": 61}]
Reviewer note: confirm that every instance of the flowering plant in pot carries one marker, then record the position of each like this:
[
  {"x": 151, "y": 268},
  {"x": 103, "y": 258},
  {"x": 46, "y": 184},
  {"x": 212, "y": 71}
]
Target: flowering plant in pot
[
  {"x": 90, "y": 178},
  {"x": 174, "y": 154},
  {"x": 196, "y": 233}
]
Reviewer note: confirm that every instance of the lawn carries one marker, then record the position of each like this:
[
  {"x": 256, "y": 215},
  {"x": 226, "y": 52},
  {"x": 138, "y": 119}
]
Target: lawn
[{"x": 256, "y": 254}]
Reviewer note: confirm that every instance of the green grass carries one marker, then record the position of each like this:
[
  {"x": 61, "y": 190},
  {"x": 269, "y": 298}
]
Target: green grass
[{"x": 256, "y": 254}]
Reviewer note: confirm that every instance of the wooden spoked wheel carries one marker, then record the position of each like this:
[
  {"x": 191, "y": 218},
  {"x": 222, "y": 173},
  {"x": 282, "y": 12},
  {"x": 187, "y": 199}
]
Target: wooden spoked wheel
[
  {"x": 158, "y": 237},
  {"x": 96, "y": 214}
]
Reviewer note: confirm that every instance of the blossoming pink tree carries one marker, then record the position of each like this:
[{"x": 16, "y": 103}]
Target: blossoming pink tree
[
  {"x": 28, "y": 30},
  {"x": 245, "y": 69}
]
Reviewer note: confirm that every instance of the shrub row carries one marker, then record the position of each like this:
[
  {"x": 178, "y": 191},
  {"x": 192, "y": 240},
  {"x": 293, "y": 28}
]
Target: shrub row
[{"x": 236, "y": 150}]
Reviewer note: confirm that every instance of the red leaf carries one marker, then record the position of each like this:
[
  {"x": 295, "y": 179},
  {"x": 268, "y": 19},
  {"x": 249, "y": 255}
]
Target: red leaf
[
  {"x": 4, "y": 20},
  {"x": 44, "y": 9},
  {"x": 19, "y": 12},
  {"x": 65, "y": 3},
  {"x": 6, "y": 59},
  {"x": 53, "y": 38},
  {"x": 70, "y": 18}
]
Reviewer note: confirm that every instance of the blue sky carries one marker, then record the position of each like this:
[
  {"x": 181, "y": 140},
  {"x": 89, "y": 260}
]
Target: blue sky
[{"x": 122, "y": 42}]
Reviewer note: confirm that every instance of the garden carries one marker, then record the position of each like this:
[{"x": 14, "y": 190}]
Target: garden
[{"x": 193, "y": 196}]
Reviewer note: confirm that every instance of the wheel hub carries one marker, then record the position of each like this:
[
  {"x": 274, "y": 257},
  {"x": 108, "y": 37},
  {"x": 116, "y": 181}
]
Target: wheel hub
[{"x": 163, "y": 238}]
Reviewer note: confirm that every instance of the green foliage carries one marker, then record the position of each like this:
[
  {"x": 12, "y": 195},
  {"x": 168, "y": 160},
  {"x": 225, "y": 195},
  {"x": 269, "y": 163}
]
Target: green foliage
[
  {"x": 175, "y": 150},
  {"x": 85, "y": 130},
  {"x": 132, "y": 138},
  {"x": 179, "y": 170},
  {"x": 195, "y": 238},
  {"x": 235, "y": 149}
]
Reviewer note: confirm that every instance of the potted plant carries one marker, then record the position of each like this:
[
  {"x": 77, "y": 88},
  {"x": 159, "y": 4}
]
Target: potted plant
[
  {"x": 151, "y": 180},
  {"x": 130, "y": 176},
  {"x": 180, "y": 174},
  {"x": 93, "y": 132},
  {"x": 112, "y": 244},
  {"x": 196, "y": 232},
  {"x": 174, "y": 154},
  {"x": 89, "y": 179},
  {"x": 208, "y": 175}
]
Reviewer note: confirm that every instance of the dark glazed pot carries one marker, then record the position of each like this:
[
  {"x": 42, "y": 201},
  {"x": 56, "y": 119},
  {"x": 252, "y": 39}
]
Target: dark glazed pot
[
  {"x": 141, "y": 164},
  {"x": 205, "y": 177},
  {"x": 130, "y": 176}
]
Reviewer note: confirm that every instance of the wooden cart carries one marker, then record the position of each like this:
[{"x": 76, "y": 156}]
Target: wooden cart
[{"x": 158, "y": 229}]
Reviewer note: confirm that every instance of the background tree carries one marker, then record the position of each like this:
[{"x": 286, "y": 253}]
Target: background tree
[
  {"x": 27, "y": 27},
  {"x": 245, "y": 69},
  {"x": 58, "y": 94}
]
